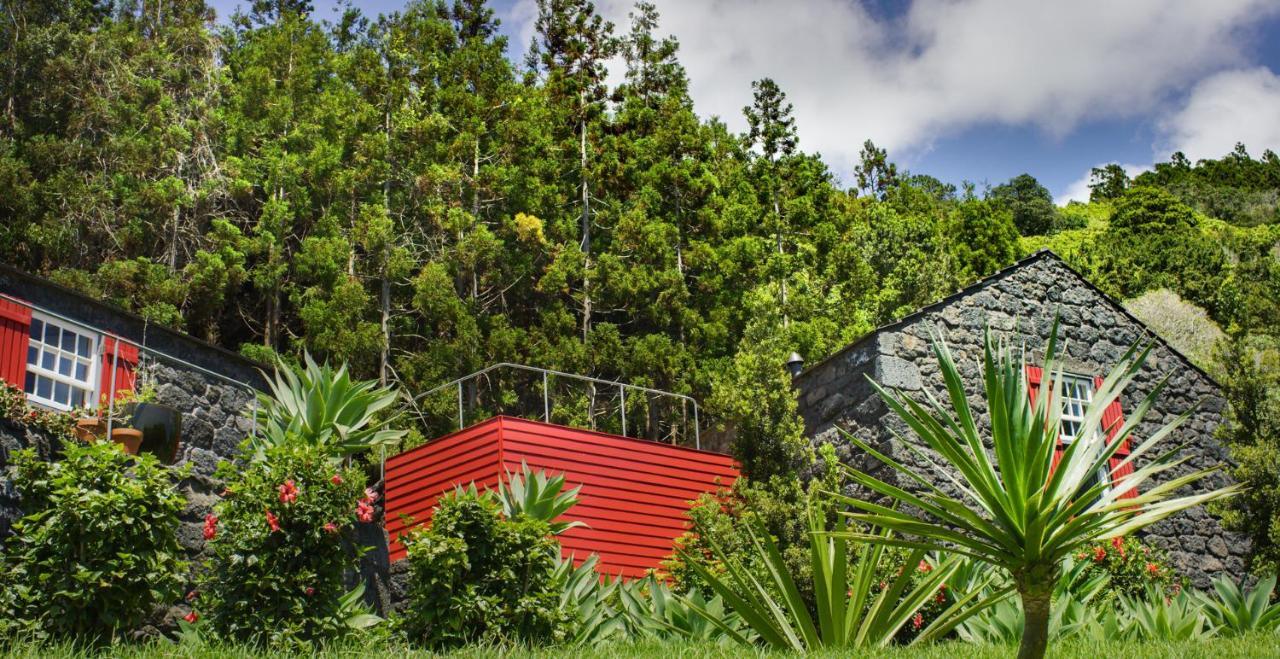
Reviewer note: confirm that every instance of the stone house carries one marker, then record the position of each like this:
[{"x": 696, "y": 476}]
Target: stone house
[
  {"x": 1020, "y": 302},
  {"x": 66, "y": 350}
]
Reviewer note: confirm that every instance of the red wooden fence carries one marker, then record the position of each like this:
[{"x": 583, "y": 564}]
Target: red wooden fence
[{"x": 635, "y": 494}]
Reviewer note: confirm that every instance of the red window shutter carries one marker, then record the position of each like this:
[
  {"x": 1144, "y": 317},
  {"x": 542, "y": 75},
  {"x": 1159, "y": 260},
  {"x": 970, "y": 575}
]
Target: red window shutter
[
  {"x": 1112, "y": 420},
  {"x": 15, "y": 336},
  {"x": 125, "y": 368},
  {"x": 1035, "y": 375}
]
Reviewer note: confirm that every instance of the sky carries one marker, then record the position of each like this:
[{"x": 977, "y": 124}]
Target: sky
[{"x": 975, "y": 90}]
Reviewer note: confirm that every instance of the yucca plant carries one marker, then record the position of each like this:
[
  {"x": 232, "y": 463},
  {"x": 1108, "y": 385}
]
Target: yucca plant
[
  {"x": 1237, "y": 612},
  {"x": 323, "y": 406},
  {"x": 1002, "y": 623},
  {"x": 852, "y": 612},
  {"x": 1014, "y": 510},
  {"x": 535, "y": 494}
]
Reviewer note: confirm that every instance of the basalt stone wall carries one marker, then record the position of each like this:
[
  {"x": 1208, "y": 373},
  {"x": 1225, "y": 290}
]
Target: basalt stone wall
[
  {"x": 14, "y": 437},
  {"x": 1019, "y": 304}
]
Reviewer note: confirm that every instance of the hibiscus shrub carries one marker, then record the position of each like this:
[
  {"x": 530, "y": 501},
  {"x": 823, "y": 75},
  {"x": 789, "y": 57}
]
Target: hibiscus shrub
[
  {"x": 280, "y": 543},
  {"x": 476, "y": 575},
  {"x": 1133, "y": 566},
  {"x": 96, "y": 550}
]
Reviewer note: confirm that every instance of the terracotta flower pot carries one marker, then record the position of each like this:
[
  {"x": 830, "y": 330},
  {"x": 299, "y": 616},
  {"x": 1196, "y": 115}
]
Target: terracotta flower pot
[
  {"x": 90, "y": 429},
  {"x": 129, "y": 438}
]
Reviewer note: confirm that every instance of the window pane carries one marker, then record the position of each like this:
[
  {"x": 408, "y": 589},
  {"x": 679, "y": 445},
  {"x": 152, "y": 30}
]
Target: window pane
[
  {"x": 64, "y": 366},
  {"x": 30, "y": 385},
  {"x": 51, "y": 334},
  {"x": 47, "y": 360},
  {"x": 82, "y": 371},
  {"x": 33, "y": 354},
  {"x": 44, "y": 386},
  {"x": 68, "y": 341},
  {"x": 61, "y": 392},
  {"x": 84, "y": 347},
  {"x": 37, "y": 328}
]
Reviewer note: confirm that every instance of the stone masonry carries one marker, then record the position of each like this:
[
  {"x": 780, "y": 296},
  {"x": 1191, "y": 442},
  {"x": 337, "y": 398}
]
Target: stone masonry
[{"x": 1019, "y": 304}]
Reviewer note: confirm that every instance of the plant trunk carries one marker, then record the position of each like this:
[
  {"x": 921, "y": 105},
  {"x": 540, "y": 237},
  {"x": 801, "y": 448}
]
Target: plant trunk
[{"x": 1035, "y": 629}]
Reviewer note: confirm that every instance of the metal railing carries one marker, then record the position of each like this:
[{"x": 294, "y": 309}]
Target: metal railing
[
  {"x": 622, "y": 388},
  {"x": 143, "y": 350}
]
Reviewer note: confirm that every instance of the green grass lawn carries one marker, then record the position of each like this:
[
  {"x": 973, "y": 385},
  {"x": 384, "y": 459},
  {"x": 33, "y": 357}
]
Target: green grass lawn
[{"x": 1260, "y": 645}]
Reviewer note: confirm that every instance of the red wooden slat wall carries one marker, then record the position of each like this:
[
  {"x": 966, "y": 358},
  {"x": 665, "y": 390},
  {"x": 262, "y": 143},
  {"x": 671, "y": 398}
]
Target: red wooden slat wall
[{"x": 634, "y": 499}]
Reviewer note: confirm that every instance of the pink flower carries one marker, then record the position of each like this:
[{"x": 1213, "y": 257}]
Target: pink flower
[
  {"x": 330, "y": 527},
  {"x": 288, "y": 492},
  {"x": 191, "y": 617},
  {"x": 924, "y": 567},
  {"x": 369, "y": 495},
  {"x": 917, "y": 621},
  {"x": 272, "y": 522},
  {"x": 310, "y": 591},
  {"x": 336, "y": 479},
  {"x": 364, "y": 512}
]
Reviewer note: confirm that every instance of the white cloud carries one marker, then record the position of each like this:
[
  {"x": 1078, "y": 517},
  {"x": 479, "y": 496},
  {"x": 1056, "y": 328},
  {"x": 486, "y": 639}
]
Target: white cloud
[
  {"x": 946, "y": 64},
  {"x": 1078, "y": 190},
  {"x": 1225, "y": 108}
]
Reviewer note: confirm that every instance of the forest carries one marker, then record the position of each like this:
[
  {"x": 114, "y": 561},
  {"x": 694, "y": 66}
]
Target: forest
[{"x": 396, "y": 193}]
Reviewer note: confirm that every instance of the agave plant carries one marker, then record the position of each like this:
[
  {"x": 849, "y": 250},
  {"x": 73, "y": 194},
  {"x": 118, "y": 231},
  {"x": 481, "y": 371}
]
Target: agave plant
[
  {"x": 590, "y": 599},
  {"x": 845, "y": 619},
  {"x": 653, "y": 611},
  {"x": 1158, "y": 617},
  {"x": 1017, "y": 511},
  {"x": 536, "y": 495},
  {"x": 1002, "y": 623},
  {"x": 322, "y": 406},
  {"x": 1237, "y": 612}
]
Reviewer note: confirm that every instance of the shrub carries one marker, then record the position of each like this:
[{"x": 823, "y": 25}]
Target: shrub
[
  {"x": 475, "y": 575},
  {"x": 1132, "y": 566},
  {"x": 97, "y": 549},
  {"x": 280, "y": 543},
  {"x": 13, "y": 406}
]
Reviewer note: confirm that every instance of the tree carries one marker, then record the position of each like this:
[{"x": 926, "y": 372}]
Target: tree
[
  {"x": 1022, "y": 513},
  {"x": 772, "y": 130},
  {"x": 1030, "y": 203},
  {"x": 1107, "y": 182},
  {"x": 875, "y": 173}
]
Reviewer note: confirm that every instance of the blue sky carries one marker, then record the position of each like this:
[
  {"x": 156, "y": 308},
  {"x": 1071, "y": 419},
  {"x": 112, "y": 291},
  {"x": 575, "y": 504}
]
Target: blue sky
[{"x": 978, "y": 90}]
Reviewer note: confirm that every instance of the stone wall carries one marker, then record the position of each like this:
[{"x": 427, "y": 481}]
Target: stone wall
[{"x": 1019, "y": 304}]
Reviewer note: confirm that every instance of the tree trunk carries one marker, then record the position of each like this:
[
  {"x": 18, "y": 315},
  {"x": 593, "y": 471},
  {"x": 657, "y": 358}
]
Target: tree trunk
[
  {"x": 586, "y": 234},
  {"x": 1035, "y": 630}
]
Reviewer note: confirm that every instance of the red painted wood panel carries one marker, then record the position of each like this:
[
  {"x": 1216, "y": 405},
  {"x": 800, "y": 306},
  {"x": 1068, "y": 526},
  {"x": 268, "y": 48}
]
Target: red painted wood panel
[
  {"x": 635, "y": 494},
  {"x": 15, "y": 330},
  {"x": 125, "y": 360}
]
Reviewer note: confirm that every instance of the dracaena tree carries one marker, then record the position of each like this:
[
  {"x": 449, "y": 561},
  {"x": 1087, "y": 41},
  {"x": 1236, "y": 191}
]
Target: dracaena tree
[{"x": 1015, "y": 509}]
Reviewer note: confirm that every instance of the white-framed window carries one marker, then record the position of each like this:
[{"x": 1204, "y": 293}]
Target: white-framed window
[
  {"x": 1075, "y": 392},
  {"x": 62, "y": 364}
]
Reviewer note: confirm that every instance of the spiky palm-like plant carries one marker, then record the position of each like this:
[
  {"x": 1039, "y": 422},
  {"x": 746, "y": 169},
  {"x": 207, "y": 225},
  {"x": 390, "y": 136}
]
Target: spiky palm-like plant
[{"x": 1015, "y": 509}]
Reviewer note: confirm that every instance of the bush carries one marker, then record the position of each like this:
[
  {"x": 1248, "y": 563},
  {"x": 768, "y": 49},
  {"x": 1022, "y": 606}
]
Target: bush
[
  {"x": 280, "y": 543},
  {"x": 97, "y": 549},
  {"x": 476, "y": 575},
  {"x": 1133, "y": 568}
]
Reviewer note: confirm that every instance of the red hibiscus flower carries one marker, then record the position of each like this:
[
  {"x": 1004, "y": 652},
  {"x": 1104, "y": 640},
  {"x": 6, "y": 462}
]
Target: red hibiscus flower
[
  {"x": 917, "y": 621},
  {"x": 336, "y": 479},
  {"x": 364, "y": 512},
  {"x": 1099, "y": 554},
  {"x": 369, "y": 495},
  {"x": 272, "y": 522},
  {"x": 191, "y": 617},
  {"x": 210, "y": 527},
  {"x": 924, "y": 567},
  {"x": 330, "y": 527},
  {"x": 288, "y": 492}
]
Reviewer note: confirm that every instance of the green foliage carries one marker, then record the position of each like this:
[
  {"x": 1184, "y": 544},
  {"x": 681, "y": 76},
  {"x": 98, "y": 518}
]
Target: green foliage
[
  {"x": 1029, "y": 202},
  {"x": 279, "y": 544},
  {"x": 477, "y": 575},
  {"x": 1033, "y": 518},
  {"x": 1132, "y": 567},
  {"x": 14, "y": 407},
  {"x": 323, "y": 407},
  {"x": 1075, "y": 597},
  {"x": 97, "y": 546},
  {"x": 1158, "y": 616},
  {"x": 1234, "y": 611},
  {"x": 855, "y": 606},
  {"x": 652, "y": 610},
  {"x": 1184, "y": 325},
  {"x": 1107, "y": 182},
  {"x": 534, "y": 495}
]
